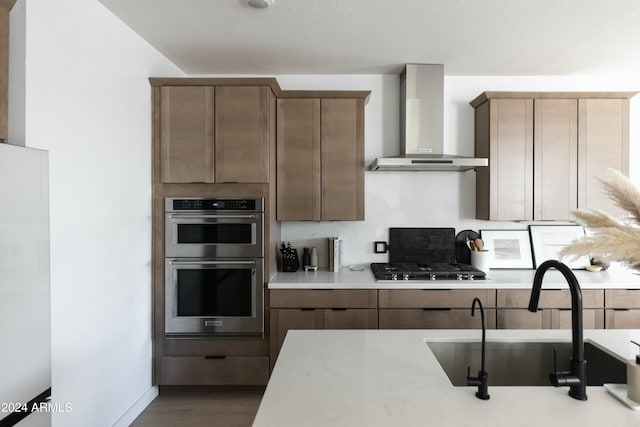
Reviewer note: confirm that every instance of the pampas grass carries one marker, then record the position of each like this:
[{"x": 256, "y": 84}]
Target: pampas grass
[{"x": 612, "y": 239}]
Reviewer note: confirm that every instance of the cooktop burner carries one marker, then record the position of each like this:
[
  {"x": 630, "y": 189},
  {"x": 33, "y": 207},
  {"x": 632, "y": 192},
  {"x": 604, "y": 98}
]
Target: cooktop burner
[{"x": 425, "y": 271}]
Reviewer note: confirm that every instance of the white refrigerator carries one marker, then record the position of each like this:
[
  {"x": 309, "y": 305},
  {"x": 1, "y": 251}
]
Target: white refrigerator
[{"x": 25, "y": 309}]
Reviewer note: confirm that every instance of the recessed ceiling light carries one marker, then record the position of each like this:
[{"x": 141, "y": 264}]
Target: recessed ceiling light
[{"x": 261, "y": 4}]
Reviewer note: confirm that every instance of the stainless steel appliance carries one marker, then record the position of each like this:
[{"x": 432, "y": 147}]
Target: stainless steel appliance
[
  {"x": 211, "y": 228},
  {"x": 214, "y": 267},
  {"x": 423, "y": 254}
]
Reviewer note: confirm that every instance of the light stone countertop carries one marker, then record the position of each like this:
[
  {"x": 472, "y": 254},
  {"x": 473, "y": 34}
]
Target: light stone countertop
[
  {"x": 497, "y": 279},
  {"x": 391, "y": 378}
]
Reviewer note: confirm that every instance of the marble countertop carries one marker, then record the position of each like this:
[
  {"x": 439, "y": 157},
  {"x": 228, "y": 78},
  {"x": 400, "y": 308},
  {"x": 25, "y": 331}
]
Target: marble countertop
[
  {"x": 391, "y": 378},
  {"x": 497, "y": 279}
]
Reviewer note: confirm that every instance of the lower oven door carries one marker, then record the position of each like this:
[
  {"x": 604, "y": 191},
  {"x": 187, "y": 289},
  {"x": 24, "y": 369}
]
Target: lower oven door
[{"x": 214, "y": 297}]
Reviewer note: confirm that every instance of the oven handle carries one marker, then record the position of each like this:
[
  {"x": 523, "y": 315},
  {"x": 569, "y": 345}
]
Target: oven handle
[
  {"x": 185, "y": 216},
  {"x": 248, "y": 262}
]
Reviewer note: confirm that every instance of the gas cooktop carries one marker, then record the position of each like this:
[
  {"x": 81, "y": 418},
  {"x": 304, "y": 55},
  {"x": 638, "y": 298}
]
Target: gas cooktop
[{"x": 425, "y": 271}]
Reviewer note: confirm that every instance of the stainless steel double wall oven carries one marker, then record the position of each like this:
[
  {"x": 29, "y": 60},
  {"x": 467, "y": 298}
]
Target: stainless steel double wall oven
[{"x": 214, "y": 267}]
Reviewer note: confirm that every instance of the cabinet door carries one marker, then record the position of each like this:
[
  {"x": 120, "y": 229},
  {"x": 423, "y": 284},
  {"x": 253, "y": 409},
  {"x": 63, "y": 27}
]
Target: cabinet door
[
  {"x": 591, "y": 318},
  {"x": 555, "y": 159},
  {"x": 214, "y": 370},
  {"x": 298, "y": 154},
  {"x": 281, "y": 320},
  {"x": 186, "y": 134},
  {"x": 342, "y": 154},
  {"x": 622, "y": 319},
  {"x": 504, "y": 132},
  {"x": 603, "y": 142},
  {"x": 515, "y": 318},
  {"x": 242, "y": 133}
]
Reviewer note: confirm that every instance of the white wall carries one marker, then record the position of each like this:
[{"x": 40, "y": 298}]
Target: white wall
[
  {"x": 88, "y": 102},
  {"x": 428, "y": 199}
]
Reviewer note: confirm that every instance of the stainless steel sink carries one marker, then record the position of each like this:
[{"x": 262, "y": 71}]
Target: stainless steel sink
[{"x": 523, "y": 363}]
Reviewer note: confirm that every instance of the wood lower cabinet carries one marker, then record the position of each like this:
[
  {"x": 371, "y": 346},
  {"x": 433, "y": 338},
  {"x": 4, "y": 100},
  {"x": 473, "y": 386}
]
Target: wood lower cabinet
[
  {"x": 215, "y": 370},
  {"x": 546, "y": 152},
  {"x": 549, "y": 318},
  {"x": 319, "y": 309},
  {"x": 434, "y": 309},
  {"x": 320, "y": 151},
  {"x": 622, "y": 308},
  {"x": 554, "y": 309},
  {"x": 435, "y": 318}
]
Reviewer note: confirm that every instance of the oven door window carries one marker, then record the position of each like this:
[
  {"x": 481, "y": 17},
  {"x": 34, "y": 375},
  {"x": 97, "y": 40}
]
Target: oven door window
[
  {"x": 216, "y": 233},
  {"x": 215, "y": 292}
]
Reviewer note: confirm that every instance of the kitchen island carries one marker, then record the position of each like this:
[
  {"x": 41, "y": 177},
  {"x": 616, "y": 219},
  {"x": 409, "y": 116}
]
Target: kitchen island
[{"x": 392, "y": 378}]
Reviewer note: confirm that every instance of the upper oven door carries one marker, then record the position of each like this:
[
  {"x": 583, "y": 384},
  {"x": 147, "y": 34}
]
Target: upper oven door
[{"x": 214, "y": 235}]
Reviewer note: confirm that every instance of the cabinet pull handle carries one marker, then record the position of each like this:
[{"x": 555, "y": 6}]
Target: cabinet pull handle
[
  {"x": 436, "y": 309},
  {"x": 307, "y": 309},
  {"x": 215, "y": 357},
  {"x": 339, "y": 309},
  {"x": 621, "y": 309}
]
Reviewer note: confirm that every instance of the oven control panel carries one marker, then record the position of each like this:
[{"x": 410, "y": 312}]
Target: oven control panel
[{"x": 193, "y": 204}]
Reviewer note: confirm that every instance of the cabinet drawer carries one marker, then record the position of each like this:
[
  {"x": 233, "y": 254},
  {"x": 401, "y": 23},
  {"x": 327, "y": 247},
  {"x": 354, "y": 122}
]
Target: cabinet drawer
[
  {"x": 622, "y": 298},
  {"x": 324, "y": 298},
  {"x": 622, "y": 319},
  {"x": 435, "y": 298},
  {"x": 225, "y": 370},
  {"x": 454, "y": 318},
  {"x": 549, "y": 298}
]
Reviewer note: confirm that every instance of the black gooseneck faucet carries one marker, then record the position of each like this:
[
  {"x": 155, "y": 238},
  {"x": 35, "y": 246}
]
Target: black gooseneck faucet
[
  {"x": 482, "y": 380},
  {"x": 576, "y": 378}
]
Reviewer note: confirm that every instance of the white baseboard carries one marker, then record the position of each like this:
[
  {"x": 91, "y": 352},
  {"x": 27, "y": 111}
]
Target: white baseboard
[{"x": 136, "y": 409}]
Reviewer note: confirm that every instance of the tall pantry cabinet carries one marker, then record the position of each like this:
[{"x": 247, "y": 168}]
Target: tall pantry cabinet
[{"x": 546, "y": 152}]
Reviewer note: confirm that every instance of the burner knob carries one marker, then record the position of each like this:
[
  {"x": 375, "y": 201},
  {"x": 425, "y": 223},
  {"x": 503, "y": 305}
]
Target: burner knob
[
  {"x": 432, "y": 277},
  {"x": 405, "y": 277},
  {"x": 460, "y": 277},
  {"x": 394, "y": 276}
]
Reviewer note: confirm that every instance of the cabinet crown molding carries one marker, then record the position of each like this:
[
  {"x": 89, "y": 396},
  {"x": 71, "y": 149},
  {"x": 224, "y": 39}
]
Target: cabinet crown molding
[{"x": 485, "y": 96}]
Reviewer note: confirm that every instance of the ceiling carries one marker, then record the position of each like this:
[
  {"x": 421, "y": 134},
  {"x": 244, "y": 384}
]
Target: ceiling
[{"x": 471, "y": 37}]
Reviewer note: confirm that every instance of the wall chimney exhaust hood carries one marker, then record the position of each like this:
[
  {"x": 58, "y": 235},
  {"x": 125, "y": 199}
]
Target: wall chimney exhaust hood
[{"x": 421, "y": 125}]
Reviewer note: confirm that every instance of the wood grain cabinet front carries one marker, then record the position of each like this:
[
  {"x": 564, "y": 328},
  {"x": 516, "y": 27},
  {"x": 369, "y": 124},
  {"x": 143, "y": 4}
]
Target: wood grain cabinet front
[
  {"x": 434, "y": 308},
  {"x": 554, "y": 309},
  {"x": 320, "y": 152},
  {"x": 546, "y": 152},
  {"x": 319, "y": 309},
  {"x": 215, "y": 134},
  {"x": 622, "y": 308},
  {"x": 214, "y": 370}
]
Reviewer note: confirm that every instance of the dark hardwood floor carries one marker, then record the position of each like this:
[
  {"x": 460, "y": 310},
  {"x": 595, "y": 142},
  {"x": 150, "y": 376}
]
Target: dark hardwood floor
[{"x": 196, "y": 409}]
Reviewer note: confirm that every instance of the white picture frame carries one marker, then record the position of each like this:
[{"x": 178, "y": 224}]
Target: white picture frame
[
  {"x": 508, "y": 248},
  {"x": 548, "y": 240}
]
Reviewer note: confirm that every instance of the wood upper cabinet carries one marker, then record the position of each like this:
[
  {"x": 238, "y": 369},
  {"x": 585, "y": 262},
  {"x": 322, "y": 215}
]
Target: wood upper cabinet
[
  {"x": 186, "y": 134},
  {"x": 546, "y": 151},
  {"x": 320, "y": 152},
  {"x": 603, "y": 136},
  {"x": 504, "y": 134},
  {"x": 298, "y": 154},
  {"x": 555, "y": 153},
  {"x": 219, "y": 134},
  {"x": 242, "y": 133}
]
